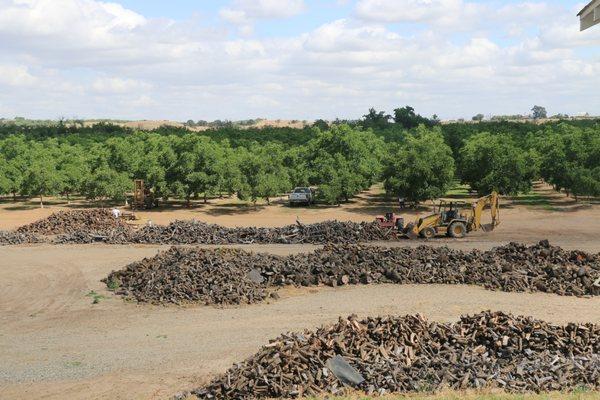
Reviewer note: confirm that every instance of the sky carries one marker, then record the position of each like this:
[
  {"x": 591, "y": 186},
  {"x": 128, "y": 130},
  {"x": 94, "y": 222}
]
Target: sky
[{"x": 294, "y": 59}]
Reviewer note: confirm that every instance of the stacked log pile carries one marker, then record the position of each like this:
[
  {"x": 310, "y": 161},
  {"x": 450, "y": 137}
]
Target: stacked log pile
[
  {"x": 511, "y": 268},
  {"x": 217, "y": 276},
  {"x": 12, "y": 238},
  {"x": 409, "y": 354},
  {"x": 78, "y": 222},
  {"x": 194, "y": 232},
  {"x": 214, "y": 276},
  {"x": 89, "y": 226}
]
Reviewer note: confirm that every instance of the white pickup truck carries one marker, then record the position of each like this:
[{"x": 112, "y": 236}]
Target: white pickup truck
[{"x": 302, "y": 195}]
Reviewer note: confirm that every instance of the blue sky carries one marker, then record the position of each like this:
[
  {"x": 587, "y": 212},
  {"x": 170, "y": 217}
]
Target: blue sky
[
  {"x": 293, "y": 59},
  {"x": 317, "y": 12}
]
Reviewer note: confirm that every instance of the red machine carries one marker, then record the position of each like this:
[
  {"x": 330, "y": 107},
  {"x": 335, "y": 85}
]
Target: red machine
[{"x": 390, "y": 221}]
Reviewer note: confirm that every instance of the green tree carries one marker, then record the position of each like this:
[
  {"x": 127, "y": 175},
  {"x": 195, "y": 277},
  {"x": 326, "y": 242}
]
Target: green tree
[
  {"x": 583, "y": 181},
  {"x": 338, "y": 181},
  {"x": 478, "y": 117},
  {"x": 553, "y": 160},
  {"x": 5, "y": 182},
  {"x": 363, "y": 152},
  {"x": 198, "y": 169},
  {"x": 296, "y": 161},
  {"x": 376, "y": 119},
  {"x": 321, "y": 124},
  {"x": 153, "y": 162},
  {"x": 105, "y": 183},
  {"x": 420, "y": 169},
  {"x": 539, "y": 112},
  {"x": 229, "y": 176},
  {"x": 408, "y": 119},
  {"x": 16, "y": 153},
  {"x": 41, "y": 177},
  {"x": 263, "y": 172},
  {"x": 73, "y": 168},
  {"x": 492, "y": 162}
]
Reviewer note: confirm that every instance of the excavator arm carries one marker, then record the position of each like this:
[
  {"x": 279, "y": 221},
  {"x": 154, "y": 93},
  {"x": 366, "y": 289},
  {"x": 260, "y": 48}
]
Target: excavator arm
[{"x": 491, "y": 201}]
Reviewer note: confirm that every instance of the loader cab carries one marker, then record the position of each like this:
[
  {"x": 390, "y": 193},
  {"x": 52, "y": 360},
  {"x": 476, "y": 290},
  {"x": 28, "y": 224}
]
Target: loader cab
[{"x": 450, "y": 211}]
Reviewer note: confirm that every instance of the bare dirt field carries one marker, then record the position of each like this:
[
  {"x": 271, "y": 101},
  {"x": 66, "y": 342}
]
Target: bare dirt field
[{"x": 56, "y": 344}]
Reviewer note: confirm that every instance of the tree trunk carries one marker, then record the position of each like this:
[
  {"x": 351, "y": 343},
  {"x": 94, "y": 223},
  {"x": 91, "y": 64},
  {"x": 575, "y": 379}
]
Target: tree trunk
[
  {"x": 14, "y": 196},
  {"x": 268, "y": 201},
  {"x": 205, "y": 201},
  {"x": 41, "y": 201}
]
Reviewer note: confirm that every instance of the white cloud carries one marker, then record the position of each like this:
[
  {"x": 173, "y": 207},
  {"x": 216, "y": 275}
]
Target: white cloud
[
  {"x": 342, "y": 35},
  {"x": 454, "y": 13},
  {"x": 96, "y": 23},
  {"x": 118, "y": 85},
  {"x": 16, "y": 75},
  {"x": 244, "y": 13},
  {"x": 268, "y": 9},
  {"x": 97, "y": 59}
]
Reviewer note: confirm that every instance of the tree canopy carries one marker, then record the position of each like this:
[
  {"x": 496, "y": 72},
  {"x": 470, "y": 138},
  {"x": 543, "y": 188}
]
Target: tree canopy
[{"x": 422, "y": 168}]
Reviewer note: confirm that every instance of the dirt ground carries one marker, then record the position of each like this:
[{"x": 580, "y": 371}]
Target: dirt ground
[{"x": 56, "y": 344}]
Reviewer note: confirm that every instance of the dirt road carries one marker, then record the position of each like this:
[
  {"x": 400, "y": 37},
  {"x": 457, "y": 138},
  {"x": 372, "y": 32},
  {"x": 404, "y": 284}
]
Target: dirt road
[{"x": 56, "y": 344}]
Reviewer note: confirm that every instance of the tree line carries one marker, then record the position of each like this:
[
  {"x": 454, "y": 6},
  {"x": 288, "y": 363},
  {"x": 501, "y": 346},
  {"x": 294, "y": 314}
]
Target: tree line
[{"x": 415, "y": 157}]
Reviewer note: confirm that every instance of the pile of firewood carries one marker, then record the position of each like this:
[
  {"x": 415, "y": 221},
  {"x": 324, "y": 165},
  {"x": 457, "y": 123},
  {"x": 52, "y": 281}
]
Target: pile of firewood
[
  {"x": 410, "y": 354},
  {"x": 95, "y": 221},
  {"x": 218, "y": 276},
  {"x": 194, "y": 232},
  {"x": 12, "y": 238}
]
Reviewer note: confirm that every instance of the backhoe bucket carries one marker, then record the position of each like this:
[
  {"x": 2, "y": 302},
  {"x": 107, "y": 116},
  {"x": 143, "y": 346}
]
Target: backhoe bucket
[
  {"x": 410, "y": 232},
  {"x": 487, "y": 227}
]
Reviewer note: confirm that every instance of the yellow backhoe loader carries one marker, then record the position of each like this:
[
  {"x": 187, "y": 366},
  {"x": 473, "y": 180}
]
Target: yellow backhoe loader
[
  {"x": 447, "y": 220},
  {"x": 143, "y": 198}
]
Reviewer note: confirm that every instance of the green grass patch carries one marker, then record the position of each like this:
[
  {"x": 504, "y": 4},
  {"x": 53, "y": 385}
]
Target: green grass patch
[
  {"x": 458, "y": 191},
  {"x": 73, "y": 364},
  {"x": 532, "y": 199},
  {"x": 95, "y": 297},
  {"x": 536, "y": 200},
  {"x": 113, "y": 284}
]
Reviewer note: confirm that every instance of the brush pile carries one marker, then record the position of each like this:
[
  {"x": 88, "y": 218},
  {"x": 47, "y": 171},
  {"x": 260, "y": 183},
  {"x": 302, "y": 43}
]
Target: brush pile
[
  {"x": 215, "y": 276},
  {"x": 511, "y": 268},
  {"x": 76, "y": 222},
  {"x": 89, "y": 226},
  {"x": 11, "y": 238},
  {"x": 194, "y": 232},
  {"x": 218, "y": 276},
  {"x": 409, "y": 354}
]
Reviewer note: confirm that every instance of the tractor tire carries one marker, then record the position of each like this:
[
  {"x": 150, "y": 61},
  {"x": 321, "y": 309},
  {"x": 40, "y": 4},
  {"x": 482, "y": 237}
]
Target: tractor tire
[
  {"x": 427, "y": 233},
  {"x": 457, "y": 230}
]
